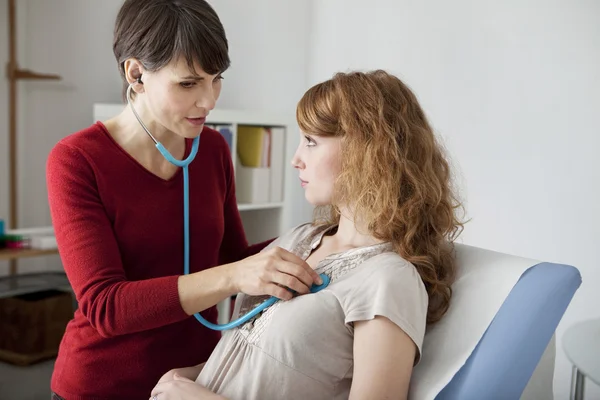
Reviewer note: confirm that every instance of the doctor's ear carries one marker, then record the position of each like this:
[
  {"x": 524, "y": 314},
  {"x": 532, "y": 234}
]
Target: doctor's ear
[{"x": 134, "y": 70}]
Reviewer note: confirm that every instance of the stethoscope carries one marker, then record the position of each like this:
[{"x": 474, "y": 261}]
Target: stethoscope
[{"x": 186, "y": 225}]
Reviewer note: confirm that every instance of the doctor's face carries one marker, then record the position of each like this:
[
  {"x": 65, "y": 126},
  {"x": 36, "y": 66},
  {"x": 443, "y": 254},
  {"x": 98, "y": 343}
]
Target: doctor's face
[{"x": 178, "y": 98}]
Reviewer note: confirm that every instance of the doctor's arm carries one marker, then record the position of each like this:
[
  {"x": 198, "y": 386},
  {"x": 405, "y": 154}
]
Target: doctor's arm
[
  {"x": 113, "y": 304},
  {"x": 383, "y": 360}
]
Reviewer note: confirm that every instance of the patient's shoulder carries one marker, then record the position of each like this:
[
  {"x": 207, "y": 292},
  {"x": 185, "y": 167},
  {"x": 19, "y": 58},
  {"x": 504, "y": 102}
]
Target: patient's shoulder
[
  {"x": 301, "y": 234},
  {"x": 388, "y": 267}
]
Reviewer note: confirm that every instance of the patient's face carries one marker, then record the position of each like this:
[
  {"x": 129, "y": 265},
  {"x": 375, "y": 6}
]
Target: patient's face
[{"x": 318, "y": 162}]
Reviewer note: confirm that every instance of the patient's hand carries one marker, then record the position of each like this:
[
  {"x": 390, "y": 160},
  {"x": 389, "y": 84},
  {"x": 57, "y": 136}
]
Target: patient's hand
[
  {"x": 187, "y": 372},
  {"x": 181, "y": 388}
]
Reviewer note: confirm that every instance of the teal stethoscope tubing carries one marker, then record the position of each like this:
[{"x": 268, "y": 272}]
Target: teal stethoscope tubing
[{"x": 186, "y": 227}]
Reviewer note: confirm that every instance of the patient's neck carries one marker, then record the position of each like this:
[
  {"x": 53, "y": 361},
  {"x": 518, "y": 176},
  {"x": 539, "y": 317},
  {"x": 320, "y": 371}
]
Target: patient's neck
[{"x": 352, "y": 233}]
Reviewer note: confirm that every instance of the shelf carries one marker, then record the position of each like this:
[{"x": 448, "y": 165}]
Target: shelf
[
  {"x": 13, "y": 254},
  {"x": 263, "y": 206},
  {"x": 30, "y": 75},
  {"x": 29, "y": 283}
]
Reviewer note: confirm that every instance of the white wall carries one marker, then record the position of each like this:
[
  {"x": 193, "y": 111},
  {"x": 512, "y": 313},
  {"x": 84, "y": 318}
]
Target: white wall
[
  {"x": 73, "y": 38},
  {"x": 513, "y": 89}
]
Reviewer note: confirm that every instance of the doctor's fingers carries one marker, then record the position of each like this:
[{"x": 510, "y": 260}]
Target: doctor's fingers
[
  {"x": 289, "y": 282},
  {"x": 275, "y": 290},
  {"x": 292, "y": 276},
  {"x": 297, "y": 261}
]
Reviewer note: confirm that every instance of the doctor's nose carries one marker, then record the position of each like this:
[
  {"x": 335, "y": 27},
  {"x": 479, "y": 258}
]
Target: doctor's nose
[{"x": 207, "y": 100}]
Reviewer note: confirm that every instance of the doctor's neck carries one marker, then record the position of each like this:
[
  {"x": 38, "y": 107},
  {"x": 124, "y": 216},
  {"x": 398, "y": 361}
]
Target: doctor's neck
[{"x": 135, "y": 133}]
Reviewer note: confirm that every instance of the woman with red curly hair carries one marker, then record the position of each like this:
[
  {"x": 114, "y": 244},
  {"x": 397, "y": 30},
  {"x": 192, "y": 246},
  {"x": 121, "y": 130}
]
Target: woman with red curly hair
[{"x": 383, "y": 232}]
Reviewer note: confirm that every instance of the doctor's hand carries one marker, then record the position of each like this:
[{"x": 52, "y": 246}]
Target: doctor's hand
[
  {"x": 271, "y": 272},
  {"x": 182, "y": 388}
]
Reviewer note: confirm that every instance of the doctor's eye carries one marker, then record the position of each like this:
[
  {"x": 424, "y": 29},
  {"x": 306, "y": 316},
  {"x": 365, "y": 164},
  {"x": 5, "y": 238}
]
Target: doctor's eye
[{"x": 187, "y": 85}]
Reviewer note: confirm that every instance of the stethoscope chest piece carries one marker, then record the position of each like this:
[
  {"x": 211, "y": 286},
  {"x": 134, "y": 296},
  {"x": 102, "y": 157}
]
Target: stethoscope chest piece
[{"x": 318, "y": 288}]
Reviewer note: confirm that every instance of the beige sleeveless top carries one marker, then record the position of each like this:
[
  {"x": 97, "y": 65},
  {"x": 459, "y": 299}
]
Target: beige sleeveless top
[{"x": 303, "y": 348}]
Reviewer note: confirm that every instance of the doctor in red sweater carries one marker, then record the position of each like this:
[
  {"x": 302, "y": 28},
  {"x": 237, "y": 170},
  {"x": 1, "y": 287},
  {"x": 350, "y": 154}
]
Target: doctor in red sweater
[{"x": 117, "y": 209}]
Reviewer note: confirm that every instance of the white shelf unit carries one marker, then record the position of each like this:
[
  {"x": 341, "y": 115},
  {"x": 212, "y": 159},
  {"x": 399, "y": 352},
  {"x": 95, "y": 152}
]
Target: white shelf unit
[{"x": 261, "y": 221}]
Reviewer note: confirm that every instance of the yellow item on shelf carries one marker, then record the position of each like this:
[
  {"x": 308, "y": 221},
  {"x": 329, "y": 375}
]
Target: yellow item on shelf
[{"x": 250, "y": 145}]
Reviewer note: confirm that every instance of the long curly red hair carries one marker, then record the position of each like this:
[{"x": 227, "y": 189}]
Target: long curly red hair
[{"x": 394, "y": 172}]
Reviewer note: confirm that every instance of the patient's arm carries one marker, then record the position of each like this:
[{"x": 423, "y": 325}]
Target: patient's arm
[
  {"x": 383, "y": 360},
  {"x": 193, "y": 372}
]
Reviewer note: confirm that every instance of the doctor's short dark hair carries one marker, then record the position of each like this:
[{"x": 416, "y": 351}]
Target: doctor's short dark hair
[{"x": 158, "y": 31}]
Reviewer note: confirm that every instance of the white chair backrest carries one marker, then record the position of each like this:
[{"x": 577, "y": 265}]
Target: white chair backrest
[{"x": 484, "y": 280}]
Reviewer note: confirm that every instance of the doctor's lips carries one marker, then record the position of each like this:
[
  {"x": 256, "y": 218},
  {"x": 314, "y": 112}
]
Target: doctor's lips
[
  {"x": 196, "y": 121},
  {"x": 303, "y": 182}
]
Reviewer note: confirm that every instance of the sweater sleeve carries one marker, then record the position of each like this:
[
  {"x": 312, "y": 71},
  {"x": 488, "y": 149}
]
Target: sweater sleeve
[
  {"x": 90, "y": 254},
  {"x": 235, "y": 245}
]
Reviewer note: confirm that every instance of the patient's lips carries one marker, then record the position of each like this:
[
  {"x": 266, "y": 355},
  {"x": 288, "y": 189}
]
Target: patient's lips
[{"x": 303, "y": 182}]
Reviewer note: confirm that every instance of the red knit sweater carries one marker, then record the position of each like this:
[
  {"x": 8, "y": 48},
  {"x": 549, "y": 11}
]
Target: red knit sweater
[{"x": 119, "y": 230}]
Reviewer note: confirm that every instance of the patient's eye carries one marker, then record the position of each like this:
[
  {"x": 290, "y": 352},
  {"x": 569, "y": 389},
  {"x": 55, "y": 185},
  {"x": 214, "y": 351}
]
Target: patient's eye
[{"x": 310, "y": 141}]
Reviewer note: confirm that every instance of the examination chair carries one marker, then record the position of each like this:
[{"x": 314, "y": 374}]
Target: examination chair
[{"x": 497, "y": 339}]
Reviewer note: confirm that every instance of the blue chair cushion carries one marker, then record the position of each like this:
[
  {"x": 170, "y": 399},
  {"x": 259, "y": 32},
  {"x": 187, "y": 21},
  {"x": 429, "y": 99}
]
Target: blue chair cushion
[{"x": 509, "y": 351}]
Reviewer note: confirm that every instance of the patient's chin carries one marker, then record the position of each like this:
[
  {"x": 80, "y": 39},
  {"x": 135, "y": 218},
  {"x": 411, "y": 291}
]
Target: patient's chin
[{"x": 317, "y": 202}]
